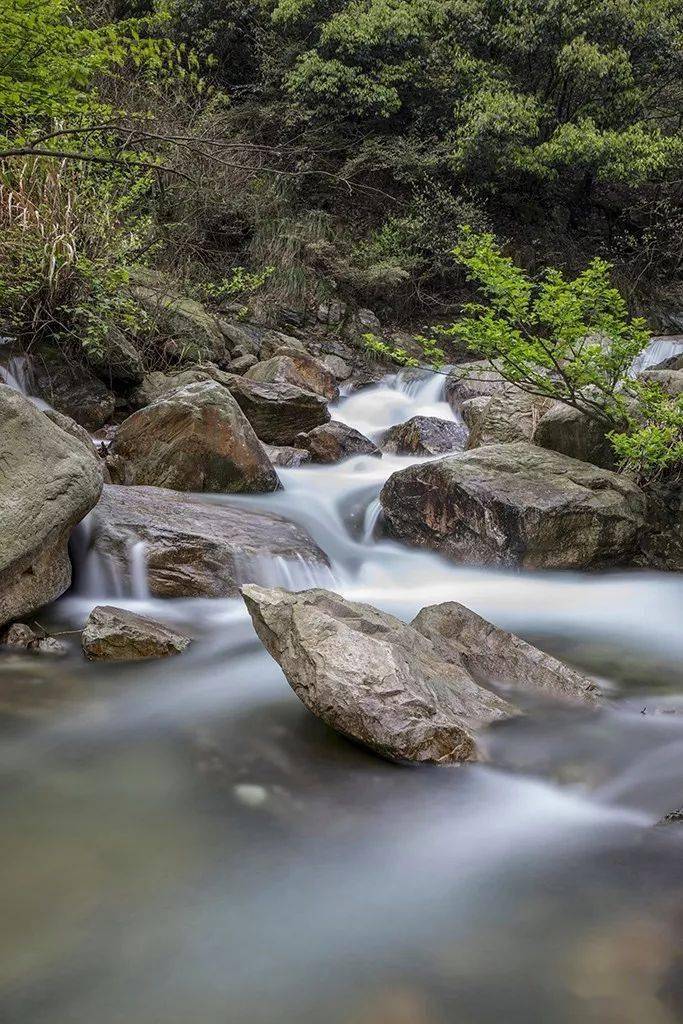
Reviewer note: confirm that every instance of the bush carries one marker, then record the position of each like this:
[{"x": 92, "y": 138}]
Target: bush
[{"x": 68, "y": 240}]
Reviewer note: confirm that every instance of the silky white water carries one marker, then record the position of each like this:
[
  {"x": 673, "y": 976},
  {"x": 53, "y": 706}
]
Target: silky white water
[{"x": 185, "y": 842}]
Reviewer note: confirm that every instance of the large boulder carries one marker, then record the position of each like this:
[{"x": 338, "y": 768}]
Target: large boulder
[
  {"x": 509, "y": 415},
  {"x": 424, "y": 435},
  {"x": 298, "y": 368},
  {"x": 192, "y": 548},
  {"x": 494, "y": 656},
  {"x": 571, "y": 432},
  {"x": 280, "y": 411},
  {"x": 335, "y": 441},
  {"x": 194, "y": 439},
  {"x": 71, "y": 387},
  {"x": 49, "y": 481},
  {"x": 115, "y": 634},
  {"x": 472, "y": 380},
  {"x": 373, "y": 678},
  {"x": 516, "y": 505}
]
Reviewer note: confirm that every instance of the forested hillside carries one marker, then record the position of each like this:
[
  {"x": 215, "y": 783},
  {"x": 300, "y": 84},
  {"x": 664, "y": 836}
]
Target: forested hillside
[{"x": 333, "y": 149}]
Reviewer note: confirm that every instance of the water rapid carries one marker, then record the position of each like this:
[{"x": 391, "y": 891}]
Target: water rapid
[{"x": 185, "y": 842}]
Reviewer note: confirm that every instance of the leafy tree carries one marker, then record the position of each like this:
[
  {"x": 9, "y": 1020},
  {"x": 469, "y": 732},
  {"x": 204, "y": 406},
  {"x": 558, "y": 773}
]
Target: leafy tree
[{"x": 570, "y": 340}]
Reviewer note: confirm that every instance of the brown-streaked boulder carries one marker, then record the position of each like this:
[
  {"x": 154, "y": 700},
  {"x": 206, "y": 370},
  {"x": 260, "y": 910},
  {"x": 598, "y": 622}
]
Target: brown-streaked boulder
[
  {"x": 195, "y": 438},
  {"x": 334, "y": 441},
  {"x": 516, "y": 505},
  {"x": 373, "y": 678}
]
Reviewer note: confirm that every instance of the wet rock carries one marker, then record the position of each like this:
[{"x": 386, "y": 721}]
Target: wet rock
[
  {"x": 335, "y": 441},
  {"x": 472, "y": 380},
  {"x": 117, "y": 361},
  {"x": 287, "y": 456},
  {"x": 299, "y": 369},
  {"x": 573, "y": 433},
  {"x": 20, "y": 637},
  {"x": 114, "y": 634},
  {"x": 278, "y": 412},
  {"x": 494, "y": 656},
  {"x": 241, "y": 364},
  {"x": 509, "y": 415},
  {"x": 516, "y": 505},
  {"x": 48, "y": 482},
  {"x": 193, "y": 548},
  {"x": 373, "y": 678},
  {"x": 71, "y": 387},
  {"x": 194, "y": 439},
  {"x": 672, "y": 818},
  {"x": 424, "y": 435}
]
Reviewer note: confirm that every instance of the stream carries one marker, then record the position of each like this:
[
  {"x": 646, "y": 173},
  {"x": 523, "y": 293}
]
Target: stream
[{"x": 184, "y": 843}]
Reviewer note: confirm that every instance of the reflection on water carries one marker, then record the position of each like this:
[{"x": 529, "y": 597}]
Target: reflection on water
[{"x": 185, "y": 842}]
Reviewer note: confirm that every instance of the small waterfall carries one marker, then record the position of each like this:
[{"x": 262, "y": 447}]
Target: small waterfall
[
  {"x": 656, "y": 352},
  {"x": 16, "y": 374},
  {"x": 372, "y": 516},
  {"x": 137, "y": 561}
]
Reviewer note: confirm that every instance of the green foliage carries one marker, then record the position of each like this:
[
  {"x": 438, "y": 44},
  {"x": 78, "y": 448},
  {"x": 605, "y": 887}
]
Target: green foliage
[
  {"x": 652, "y": 443},
  {"x": 571, "y": 340},
  {"x": 68, "y": 239},
  {"x": 51, "y": 60},
  {"x": 568, "y": 340},
  {"x": 241, "y": 283}
]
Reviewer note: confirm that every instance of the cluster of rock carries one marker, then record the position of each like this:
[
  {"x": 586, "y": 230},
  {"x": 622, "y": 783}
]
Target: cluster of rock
[
  {"x": 425, "y": 692},
  {"x": 535, "y": 488}
]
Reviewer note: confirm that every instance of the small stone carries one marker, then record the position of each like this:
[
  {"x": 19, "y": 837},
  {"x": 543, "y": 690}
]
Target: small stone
[
  {"x": 19, "y": 636},
  {"x": 114, "y": 634}
]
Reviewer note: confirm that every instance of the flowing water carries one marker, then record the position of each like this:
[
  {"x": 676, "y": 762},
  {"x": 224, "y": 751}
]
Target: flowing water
[{"x": 184, "y": 842}]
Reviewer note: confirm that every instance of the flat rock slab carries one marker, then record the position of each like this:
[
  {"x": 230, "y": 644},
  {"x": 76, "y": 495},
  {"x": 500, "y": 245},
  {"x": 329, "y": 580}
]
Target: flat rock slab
[
  {"x": 193, "y": 548},
  {"x": 114, "y": 634},
  {"x": 516, "y": 505},
  {"x": 493, "y": 656},
  {"x": 373, "y": 678}
]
